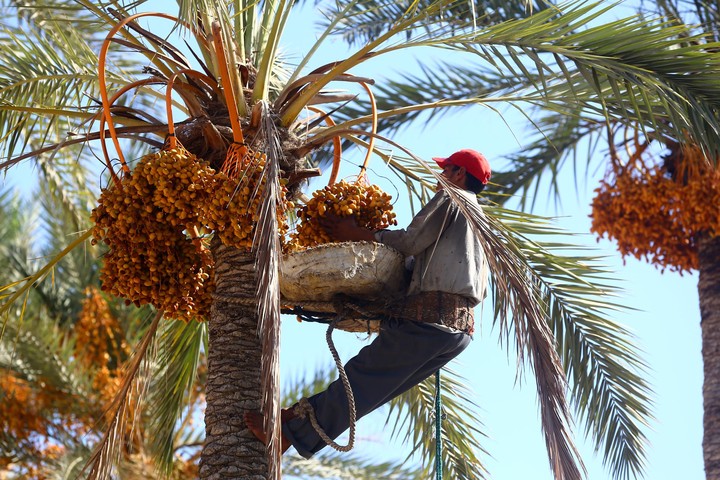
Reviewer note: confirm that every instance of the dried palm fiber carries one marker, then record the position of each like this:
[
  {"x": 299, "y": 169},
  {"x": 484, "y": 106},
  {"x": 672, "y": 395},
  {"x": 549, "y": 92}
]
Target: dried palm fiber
[{"x": 654, "y": 211}]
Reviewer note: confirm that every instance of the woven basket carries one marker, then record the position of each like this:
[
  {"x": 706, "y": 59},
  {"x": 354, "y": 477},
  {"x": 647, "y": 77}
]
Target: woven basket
[{"x": 368, "y": 271}]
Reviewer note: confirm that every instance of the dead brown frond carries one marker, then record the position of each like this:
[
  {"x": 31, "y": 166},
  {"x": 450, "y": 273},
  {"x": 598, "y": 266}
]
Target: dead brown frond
[
  {"x": 518, "y": 293},
  {"x": 129, "y": 396},
  {"x": 266, "y": 245}
]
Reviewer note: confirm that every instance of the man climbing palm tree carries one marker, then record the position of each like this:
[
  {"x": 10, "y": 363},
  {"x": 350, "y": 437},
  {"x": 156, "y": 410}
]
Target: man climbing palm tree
[{"x": 419, "y": 334}]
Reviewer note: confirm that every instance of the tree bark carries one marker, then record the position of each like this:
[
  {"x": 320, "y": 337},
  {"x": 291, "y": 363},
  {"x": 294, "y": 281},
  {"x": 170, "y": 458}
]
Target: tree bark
[
  {"x": 233, "y": 382},
  {"x": 709, "y": 294}
]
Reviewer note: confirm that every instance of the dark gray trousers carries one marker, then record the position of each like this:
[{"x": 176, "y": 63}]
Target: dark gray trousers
[{"x": 402, "y": 355}]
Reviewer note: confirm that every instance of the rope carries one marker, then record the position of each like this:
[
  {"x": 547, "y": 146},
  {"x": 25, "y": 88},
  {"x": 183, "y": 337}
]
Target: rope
[
  {"x": 303, "y": 408},
  {"x": 438, "y": 429}
]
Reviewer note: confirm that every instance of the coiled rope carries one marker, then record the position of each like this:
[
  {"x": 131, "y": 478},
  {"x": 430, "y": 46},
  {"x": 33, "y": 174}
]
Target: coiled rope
[{"x": 303, "y": 408}]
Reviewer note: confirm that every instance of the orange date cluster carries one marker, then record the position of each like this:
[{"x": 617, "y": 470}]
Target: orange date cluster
[{"x": 655, "y": 214}]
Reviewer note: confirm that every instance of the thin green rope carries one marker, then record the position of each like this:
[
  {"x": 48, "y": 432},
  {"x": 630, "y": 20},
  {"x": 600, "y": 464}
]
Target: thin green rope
[{"x": 438, "y": 429}]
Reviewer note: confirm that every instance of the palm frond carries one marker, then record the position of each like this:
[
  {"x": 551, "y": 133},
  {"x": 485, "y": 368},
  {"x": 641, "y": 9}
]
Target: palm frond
[
  {"x": 518, "y": 307},
  {"x": 46, "y": 15},
  {"x": 558, "y": 141},
  {"x": 367, "y": 19},
  {"x": 266, "y": 245},
  {"x": 44, "y": 232},
  {"x": 17, "y": 226},
  {"x": 441, "y": 87},
  {"x": 22, "y": 288},
  {"x": 70, "y": 193},
  {"x": 49, "y": 88},
  {"x": 346, "y": 467},
  {"x": 700, "y": 16},
  {"x": 130, "y": 394},
  {"x": 38, "y": 75},
  {"x": 626, "y": 70},
  {"x": 67, "y": 197},
  {"x": 378, "y": 46},
  {"x": 178, "y": 356},
  {"x": 631, "y": 66},
  {"x": 598, "y": 355},
  {"x": 275, "y": 16},
  {"x": 413, "y": 413},
  {"x": 39, "y": 352},
  {"x": 69, "y": 465},
  {"x": 41, "y": 356}
]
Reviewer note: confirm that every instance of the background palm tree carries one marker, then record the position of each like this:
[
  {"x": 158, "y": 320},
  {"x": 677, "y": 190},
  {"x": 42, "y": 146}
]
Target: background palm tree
[{"x": 552, "y": 58}]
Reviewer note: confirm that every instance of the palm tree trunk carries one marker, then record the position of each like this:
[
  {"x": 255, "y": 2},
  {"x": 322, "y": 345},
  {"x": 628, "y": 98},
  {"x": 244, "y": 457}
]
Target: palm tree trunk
[
  {"x": 709, "y": 293},
  {"x": 233, "y": 383}
]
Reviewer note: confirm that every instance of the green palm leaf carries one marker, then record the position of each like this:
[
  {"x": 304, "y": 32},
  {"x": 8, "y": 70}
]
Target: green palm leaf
[
  {"x": 630, "y": 66},
  {"x": 43, "y": 353},
  {"x": 346, "y": 467},
  {"x": 413, "y": 419},
  {"x": 368, "y": 19},
  {"x": 598, "y": 354},
  {"x": 171, "y": 388}
]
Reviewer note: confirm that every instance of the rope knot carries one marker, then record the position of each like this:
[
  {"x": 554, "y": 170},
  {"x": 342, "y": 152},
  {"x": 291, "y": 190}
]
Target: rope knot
[{"x": 302, "y": 408}]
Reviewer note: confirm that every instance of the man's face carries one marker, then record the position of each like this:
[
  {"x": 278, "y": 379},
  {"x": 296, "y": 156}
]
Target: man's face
[{"x": 454, "y": 175}]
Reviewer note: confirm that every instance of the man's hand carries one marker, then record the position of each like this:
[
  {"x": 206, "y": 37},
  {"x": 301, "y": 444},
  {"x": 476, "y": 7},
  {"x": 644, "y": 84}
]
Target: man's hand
[{"x": 345, "y": 229}]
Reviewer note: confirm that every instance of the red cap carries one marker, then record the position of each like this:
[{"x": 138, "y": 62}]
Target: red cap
[{"x": 474, "y": 162}]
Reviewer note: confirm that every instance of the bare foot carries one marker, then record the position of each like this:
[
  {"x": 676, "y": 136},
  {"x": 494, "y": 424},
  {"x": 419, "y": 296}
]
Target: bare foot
[{"x": 254, "y": 422}]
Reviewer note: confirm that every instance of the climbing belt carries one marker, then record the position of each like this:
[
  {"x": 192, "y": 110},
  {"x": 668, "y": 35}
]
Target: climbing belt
[
  {"x": 304, "y": 408},
  {"x": 438, "y": 429}
]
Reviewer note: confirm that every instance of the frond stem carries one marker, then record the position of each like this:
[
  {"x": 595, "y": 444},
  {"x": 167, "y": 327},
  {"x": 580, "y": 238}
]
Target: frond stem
[
  {"x": 337, "y": 146},
  {"x": 172, "y": 140},
  {"x": 371, "y": 145},
  {"x": 227, "y": 86},
  {"x": 102, "y": 60}
]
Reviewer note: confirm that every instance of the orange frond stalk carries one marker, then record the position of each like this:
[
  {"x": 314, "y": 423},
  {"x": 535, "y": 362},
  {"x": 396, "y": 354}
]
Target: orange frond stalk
[
  {"x": 102, "y": 60},
  {"x": 172, "y": 140},
  {"x": 337, "y": 146},
  {"x": 371, "y": 143},
  {"x": 227, "y": 85},
  {"x": 103, "y": 118}
]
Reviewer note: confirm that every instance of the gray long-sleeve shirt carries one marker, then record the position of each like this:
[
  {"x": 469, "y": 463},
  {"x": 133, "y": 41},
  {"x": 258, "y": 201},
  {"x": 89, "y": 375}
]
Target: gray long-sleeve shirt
[{"x": 448, "y": 254}]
